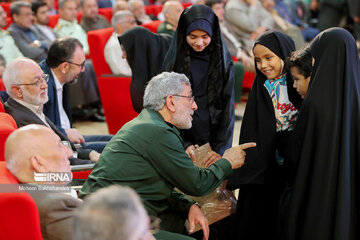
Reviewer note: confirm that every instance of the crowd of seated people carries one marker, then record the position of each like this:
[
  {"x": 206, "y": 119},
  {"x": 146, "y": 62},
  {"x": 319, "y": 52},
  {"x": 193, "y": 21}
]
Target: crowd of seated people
[{"x": 61, "y": 54}]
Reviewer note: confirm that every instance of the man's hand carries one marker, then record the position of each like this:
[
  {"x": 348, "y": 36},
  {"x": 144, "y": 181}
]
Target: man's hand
[
  {"x": 94, "y": 156},
  {"x": 196, "y": 216},
  {"x": 74, "y": 135},
  {"x": 190, "y": 152},
  {"x": 211, "y": 158},
  {"x": 236, "y": 155}
]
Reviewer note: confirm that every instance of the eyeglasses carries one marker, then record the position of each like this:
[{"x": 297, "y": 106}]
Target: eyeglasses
[
  {"x": 192, "y": 98},
  {"x": 79, "y": 65},
  {"x": 44, "y": 78}
]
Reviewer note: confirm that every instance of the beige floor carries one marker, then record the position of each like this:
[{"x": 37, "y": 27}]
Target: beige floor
[{"x": 93, "y": 128}]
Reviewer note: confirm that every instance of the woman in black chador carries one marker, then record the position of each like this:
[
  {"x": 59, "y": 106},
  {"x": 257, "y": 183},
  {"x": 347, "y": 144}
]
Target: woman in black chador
[
  {"x": 198, "y": 51},
  {"x": 145, "y": 52},
  {"x": 323, "y": 199},
  {"x": 269, "y": 119}
]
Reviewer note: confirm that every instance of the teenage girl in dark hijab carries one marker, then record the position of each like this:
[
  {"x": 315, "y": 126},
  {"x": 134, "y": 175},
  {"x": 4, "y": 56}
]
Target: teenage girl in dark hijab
[
  {"x": 145, "y": 52},
  {"x": 324, "y": 150},
  {"x": 208, "y": 65},
  {"x": 269, "y": 118}
]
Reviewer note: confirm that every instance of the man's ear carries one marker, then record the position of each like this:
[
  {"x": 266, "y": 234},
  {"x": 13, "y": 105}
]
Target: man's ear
[
  {"x": 17, "y": 91},
  {"x": 38, "y": 164},
  {"x": 171, "y": 103},
  {"x": 64, "y": 67}
]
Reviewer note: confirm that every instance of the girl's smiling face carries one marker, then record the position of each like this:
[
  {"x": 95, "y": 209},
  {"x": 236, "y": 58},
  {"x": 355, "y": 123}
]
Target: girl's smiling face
[
  {"x": 267, "y": 62},
  {"x": 198, "y": 40}
]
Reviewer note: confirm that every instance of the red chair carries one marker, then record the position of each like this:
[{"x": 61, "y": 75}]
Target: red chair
[
  {"x": 53, "y": 20},
  {"x": 152, "y": 26},
  {"x": 2, "y": 109},
  {"x": 6, "y": 7},
  {"x": 107, "y": 13},
  {"x": 7, "y": 126},
  {"x": 114, "y": 90},
  {"x": 248, "y": 80},
  {"x": 2, "y": 86},
  {"x": 19, "y": 217}
]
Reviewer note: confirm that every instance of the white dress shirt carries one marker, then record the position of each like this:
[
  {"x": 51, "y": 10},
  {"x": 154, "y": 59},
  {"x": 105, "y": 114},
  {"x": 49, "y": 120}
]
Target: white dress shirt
[{"x": 64, "y": 119}]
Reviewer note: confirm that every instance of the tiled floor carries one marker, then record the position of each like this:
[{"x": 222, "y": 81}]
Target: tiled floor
[{"x": 93, "y": 128}]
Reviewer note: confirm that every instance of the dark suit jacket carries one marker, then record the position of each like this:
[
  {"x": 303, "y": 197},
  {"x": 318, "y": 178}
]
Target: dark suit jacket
[
  {"x": 56, "y": 211},
  {"x": 23, "y": 42},
  {"x": 51, "y": 109},
  {"x": 24, "y": 116}
]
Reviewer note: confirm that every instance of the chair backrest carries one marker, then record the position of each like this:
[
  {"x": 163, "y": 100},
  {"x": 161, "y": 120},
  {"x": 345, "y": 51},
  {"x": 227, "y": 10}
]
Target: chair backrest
[
  {"x": 19, "y": 217},
  {"x": 2, "y": 86},
  {"x": 97, "y": 40},
  {"x": 53, "y": 20},
  {"x": 7, "y": 126},
  {"x": 2, "y": 109},
  {"x": 6, "y": 7},
  {"x": 153, "y": 25},
  {"x": 116, "y": 100},
  {"x": 107, "y": 13}
]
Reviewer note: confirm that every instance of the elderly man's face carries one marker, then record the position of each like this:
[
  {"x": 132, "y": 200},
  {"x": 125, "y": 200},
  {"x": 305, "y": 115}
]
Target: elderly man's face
[
  {"x": 186, "y": 106},
  {"x": 55, "y": 153},
  {"x": 138, "y": 9},
  {"x": 68, "y": 12},
  {"x": 36, "y": 91},
  {"x": 76, "y": 65},
  {"x": 90, "y": 9},
  {"x": 25, "y": 17},
  {"x": 173, "y": 15}
]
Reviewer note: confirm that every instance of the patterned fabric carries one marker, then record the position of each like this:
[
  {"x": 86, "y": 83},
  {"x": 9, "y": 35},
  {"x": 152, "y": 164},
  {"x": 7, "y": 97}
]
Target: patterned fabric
[{"x": 285, "y": 112}]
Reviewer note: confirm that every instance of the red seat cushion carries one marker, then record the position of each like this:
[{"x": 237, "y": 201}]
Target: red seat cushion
[
  {"x": 7, "y": 126},
  {"x": 152, "y": 26}
]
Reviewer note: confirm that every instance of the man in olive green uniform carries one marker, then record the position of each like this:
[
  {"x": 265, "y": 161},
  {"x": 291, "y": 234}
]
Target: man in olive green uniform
[
  {"x": 148, "y": 155},
  {"x": 172, "y": 11},
  {"x": 68, "y": 26}
]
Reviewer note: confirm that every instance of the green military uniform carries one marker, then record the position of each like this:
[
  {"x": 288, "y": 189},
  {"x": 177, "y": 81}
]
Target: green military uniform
[
  {"x": 8, "y": 48},
  {"x": 72, "y": 29},
  {"x": 148, "y": 155},
  {"x": 166, "y": 27}
]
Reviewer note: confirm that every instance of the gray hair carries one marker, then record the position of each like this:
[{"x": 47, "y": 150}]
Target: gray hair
[
  {"x": 110, "y": 213},
  {"x": 131, "y": 2},
  {"x": 62, "y": 3},
  {"x": 119, "y": 17},
  {"x": 162, "y": 85},
  {"x": 16, "y": 6},
  {"x": 12, "y": 72}
]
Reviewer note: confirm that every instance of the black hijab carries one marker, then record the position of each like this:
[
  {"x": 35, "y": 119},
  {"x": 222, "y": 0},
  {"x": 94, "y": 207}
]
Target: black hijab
[
  {"x": 145, "y": 52},
  {"x": 212, "y": 71},
  {"x": 325, "y": 146},
  {"x": 259, "y": 123}
]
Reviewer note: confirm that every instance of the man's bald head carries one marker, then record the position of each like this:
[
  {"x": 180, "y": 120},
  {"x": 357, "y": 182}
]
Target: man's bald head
[
  {"x": 172, "y": 11},
  {"x": 35, "y": 148}
]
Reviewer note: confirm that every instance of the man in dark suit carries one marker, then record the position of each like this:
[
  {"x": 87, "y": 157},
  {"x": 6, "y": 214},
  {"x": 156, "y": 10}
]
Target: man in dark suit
[
  {"x": 42, "y": 151},
  {"x": 64, "y": 63},
  {"x": 26, "y": 37},
  {"x": 28, "y": 93}
]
